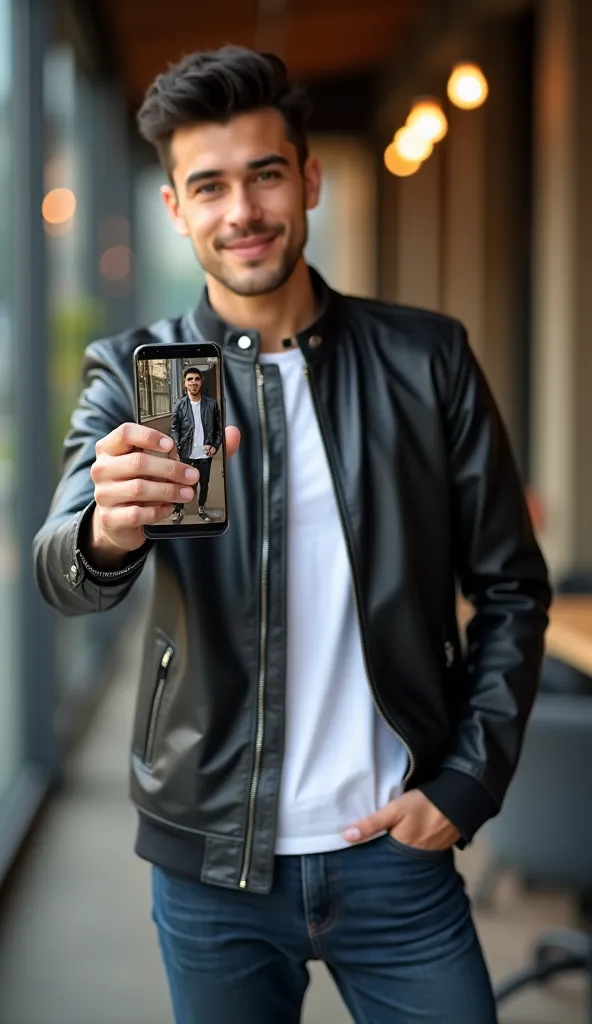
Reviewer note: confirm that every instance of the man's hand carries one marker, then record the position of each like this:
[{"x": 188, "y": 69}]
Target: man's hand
[
  {"x": 412, "y": 819},
  {"x": 134, "y": 489},
  {"x": 211, "y": 451}
]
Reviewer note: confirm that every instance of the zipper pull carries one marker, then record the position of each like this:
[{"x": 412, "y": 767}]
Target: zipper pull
[{"x": 449, "y": 652}]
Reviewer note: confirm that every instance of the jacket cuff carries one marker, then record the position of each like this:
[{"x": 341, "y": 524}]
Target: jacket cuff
[
  {"x": 463, "y": 800},
  {"x": 82, "y": 566}
]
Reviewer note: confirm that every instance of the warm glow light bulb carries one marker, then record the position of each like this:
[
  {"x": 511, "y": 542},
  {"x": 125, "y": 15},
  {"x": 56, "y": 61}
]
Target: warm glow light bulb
[
  {"x": 59, "y": 206},
  {"x": 411, "y": 146},
  {"x": 396, "y": 165},
  {"x": 467, "y": 87},
  {"x": 428, "y": 120}
]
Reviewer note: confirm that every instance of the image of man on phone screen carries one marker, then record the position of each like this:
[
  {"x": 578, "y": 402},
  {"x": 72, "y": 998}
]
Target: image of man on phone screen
[{"x": 197, "y": 434}]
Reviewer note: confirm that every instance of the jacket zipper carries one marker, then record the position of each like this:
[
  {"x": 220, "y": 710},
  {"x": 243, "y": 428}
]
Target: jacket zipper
[
  {"x": 163, "y": 669},
  {"x": 379, "y": 710},
  {"x": 263, "y": 631}
]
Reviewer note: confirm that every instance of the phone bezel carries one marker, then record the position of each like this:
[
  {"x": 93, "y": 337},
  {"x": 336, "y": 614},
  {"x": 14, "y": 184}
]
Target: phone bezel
[{"x": 186, "y": 350}]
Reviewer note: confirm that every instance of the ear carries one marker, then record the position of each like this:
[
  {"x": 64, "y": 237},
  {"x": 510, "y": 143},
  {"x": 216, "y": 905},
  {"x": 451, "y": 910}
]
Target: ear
[
  {"x": 312, "y": 182},
  {"x": 169, "y": 198}
]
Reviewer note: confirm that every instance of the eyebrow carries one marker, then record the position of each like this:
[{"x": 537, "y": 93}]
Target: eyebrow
[{"x": 255, "y": 165}]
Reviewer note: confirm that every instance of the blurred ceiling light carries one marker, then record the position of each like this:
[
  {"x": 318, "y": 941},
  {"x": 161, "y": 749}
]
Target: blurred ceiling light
[
  {"x": 116, "y": 263},
  {"x": 411, "y": 146},
  {"x": 428, "y": 120},
  {"x": 467, "y": 86},
  {"x": 58, "y": 206},
  {"x": 397, "y": 165}
]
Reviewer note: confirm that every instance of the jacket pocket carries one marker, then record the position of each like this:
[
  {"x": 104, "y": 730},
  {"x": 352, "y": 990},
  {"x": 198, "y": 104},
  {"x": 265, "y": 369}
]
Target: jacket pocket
[{"x": 151, "y": 698}]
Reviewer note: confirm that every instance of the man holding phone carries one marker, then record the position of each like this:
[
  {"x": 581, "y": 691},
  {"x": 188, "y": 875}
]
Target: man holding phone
[
  {"x": 312, "y": 739},
  {"x": 197, "y": 434}
]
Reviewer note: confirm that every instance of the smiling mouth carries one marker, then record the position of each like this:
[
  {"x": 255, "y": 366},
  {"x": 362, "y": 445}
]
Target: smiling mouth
[{"x": 251, "y": 248}]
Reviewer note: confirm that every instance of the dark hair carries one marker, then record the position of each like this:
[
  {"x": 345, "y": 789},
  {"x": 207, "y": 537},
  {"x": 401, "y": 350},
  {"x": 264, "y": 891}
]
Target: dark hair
[
  {"x": 213, "y": 87},
  {"x": 192, "y": 369}
]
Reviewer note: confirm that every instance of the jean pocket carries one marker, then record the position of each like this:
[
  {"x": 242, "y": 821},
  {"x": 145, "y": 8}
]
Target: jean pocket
[{"x": 415, "y": 851}]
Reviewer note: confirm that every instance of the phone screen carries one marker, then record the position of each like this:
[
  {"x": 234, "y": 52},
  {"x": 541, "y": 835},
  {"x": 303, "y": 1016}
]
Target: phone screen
[{"x": 182, "y": 397}]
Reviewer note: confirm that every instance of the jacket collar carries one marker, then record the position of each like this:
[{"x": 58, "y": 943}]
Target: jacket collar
[{"x": 245, "y": 343}]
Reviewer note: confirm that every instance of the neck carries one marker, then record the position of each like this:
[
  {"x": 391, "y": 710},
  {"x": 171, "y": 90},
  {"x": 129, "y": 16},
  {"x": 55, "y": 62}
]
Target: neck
[{"x": 280, "y": 314}]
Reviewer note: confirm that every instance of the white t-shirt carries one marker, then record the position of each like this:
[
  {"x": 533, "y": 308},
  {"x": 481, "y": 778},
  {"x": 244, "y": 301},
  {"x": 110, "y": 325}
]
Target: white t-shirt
[
  {"x": 198, "y": 450},
  {"x": 341, "y": 760}
]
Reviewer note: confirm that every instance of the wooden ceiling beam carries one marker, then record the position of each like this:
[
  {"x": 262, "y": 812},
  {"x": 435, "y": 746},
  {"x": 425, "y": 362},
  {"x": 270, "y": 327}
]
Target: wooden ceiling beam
[{"x": 321, "y": 37}]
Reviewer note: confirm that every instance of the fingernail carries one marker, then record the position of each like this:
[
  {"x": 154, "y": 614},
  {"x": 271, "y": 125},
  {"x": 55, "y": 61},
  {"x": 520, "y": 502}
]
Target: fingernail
[
  {"x": 352, "y": 835},
  {"x": 191, "y": 474},
  {"x": 186, "y": 492},
  {"x": 166, "y": 443}
]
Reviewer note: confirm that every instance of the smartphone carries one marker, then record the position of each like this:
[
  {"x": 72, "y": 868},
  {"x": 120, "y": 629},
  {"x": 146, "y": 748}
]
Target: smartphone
[{"x": 180, "y": 392}]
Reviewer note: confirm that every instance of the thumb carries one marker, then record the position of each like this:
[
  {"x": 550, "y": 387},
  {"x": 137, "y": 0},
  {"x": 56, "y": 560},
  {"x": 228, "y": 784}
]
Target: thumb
[
  {"x": 233, "y": 438},
  {"x": 380, "y": 821}
]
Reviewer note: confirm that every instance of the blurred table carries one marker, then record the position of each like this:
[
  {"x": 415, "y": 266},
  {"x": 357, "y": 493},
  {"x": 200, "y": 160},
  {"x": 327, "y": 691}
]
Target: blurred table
[{"x": 569, "y": 636}]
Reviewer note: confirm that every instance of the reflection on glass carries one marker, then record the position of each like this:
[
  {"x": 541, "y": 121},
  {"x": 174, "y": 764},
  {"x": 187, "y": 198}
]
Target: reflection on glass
[
  {"x": 10, "y": 708},
  {"x": 75, "y": 313}
]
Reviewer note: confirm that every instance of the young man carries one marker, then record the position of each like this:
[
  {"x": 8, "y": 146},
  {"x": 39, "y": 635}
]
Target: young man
[
  {"x": 312, "y": 690},
  {"x": 197, "y": 434}
]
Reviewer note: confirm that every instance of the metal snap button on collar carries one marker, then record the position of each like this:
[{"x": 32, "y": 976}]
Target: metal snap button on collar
[
  {"x": 315, "y": 341},
  {"x": 244, "y": 342}
]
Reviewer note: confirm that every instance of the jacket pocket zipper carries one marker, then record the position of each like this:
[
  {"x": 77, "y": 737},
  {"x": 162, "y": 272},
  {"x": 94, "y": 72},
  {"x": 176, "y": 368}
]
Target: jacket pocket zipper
[
  {"x": 371, "y": 687},
  {"x": 262, "y": 635},
  {"x": 161, "y": 679}
]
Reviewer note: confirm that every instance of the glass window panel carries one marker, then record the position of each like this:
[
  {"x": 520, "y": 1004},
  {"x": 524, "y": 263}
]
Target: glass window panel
[{"x": 11, "y": 749}]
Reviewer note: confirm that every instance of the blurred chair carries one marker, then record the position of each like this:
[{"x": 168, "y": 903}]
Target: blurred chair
[{"x": 544, "y": 830}]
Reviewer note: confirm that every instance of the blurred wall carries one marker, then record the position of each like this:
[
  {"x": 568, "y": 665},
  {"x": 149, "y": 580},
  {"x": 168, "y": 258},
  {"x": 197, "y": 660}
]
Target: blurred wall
[
  {"x": 562, "y": 413},
  {"x": 496, "y": 228}
]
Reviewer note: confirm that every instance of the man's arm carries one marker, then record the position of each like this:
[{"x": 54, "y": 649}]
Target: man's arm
[
  {"x": 503, "y": 574},
  {"x": 62, "y": 571}
]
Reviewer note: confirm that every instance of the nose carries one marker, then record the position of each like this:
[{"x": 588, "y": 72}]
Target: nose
[{"x": 242, "y": 210}]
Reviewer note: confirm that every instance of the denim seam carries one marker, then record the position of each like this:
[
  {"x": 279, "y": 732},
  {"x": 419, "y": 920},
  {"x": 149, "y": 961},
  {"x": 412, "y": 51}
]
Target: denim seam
[
  {"x": 317, "y": 934},
  {"x": 333, "y": 892}
]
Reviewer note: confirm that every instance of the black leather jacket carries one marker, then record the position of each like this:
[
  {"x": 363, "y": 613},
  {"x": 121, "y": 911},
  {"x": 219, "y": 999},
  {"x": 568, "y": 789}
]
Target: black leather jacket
[
  {"x": 428, "y": 495},
  {"x": 183, "y": 426}
]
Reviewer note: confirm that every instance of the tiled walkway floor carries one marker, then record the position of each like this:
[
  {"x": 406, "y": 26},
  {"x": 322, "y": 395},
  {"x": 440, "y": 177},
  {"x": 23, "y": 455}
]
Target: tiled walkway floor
[{"x": 77, "y": 944}]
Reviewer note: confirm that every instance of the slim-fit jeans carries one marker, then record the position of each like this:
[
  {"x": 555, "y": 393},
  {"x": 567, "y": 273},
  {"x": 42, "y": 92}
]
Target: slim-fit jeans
[{"x": 392, "y": 924}]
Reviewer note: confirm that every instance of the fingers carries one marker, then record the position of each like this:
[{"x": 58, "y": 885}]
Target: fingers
[
  {"x": 135, "y": 465},
  {"x": 139, "y": 491},
  {"x": 381, "y": 821},
  {"x": 128, "y": 436},
  {"x": 120, "y": 518}
]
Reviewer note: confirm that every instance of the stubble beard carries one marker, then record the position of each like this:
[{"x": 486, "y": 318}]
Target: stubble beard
[{"x": 269, "y": 281}]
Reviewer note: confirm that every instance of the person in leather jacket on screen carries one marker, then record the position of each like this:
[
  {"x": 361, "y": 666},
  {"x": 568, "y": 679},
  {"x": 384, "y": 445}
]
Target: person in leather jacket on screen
[{"x": 196, "y": 432}]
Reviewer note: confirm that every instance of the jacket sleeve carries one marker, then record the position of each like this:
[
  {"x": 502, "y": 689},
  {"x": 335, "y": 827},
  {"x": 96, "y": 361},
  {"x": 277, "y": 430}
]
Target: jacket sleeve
[
  {"x": 502, "y": 573},
  {"x": 63, "y": 574}
]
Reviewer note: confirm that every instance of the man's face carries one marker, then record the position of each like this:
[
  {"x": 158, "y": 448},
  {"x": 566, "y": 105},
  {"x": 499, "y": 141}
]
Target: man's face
[
  {"x": 193, "y": 385},
  {"x": 241, "y": 196}
]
